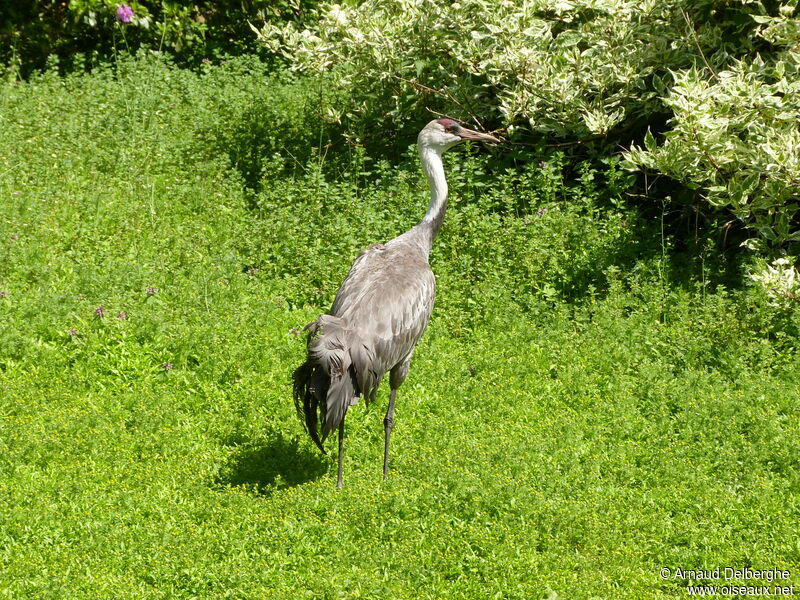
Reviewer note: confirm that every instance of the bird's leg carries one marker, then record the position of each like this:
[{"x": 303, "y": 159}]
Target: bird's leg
[
  {"x": 388, "y": 423},
  {"x": 341, "y": 451}
]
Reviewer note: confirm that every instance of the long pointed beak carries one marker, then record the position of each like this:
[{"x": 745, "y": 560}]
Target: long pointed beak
[{"x": 469, "y": 134}]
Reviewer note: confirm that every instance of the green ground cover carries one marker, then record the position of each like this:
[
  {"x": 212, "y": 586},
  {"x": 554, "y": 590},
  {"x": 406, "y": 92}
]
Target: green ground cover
[{"x": 589, "y": 405}]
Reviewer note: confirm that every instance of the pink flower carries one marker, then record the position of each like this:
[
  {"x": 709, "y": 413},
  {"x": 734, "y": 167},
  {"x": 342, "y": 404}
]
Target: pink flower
[{"x": 124, "y": 13}]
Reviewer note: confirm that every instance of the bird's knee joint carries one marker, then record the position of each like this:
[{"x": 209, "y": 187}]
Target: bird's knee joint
[{"x": 388, "y": 422}]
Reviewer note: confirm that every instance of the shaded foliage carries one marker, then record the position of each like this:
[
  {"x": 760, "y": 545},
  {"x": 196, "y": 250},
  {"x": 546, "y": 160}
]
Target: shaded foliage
[
  {"x": 77, "y": 34},
  {"x": 278, "y": 464},
  {"x": 717, "y": 79}
]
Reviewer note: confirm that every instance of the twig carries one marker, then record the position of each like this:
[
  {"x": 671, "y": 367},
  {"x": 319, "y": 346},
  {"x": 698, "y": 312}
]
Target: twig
[
  {"x": 447, "y": 96},
  {"x": 696, "y": 42},
  {"x": 425, "y": 88},
  {"x": 711, "y": 161},
  {"x": 576, "y": 142},
  {"x": 556, "y": 145},
  {"x": 645, "y": 196}
]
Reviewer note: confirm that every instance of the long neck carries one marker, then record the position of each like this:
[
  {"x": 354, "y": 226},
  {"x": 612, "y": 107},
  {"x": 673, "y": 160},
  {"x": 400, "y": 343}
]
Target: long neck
[{"x": 432, "y": 165}]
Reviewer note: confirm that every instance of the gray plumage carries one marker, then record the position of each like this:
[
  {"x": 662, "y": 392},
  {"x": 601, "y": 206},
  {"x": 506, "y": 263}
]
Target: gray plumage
[{"x": 379, "y": 314}]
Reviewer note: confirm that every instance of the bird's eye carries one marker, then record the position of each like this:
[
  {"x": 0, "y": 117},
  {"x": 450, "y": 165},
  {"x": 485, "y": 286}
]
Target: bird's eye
[{"x": 449, "y": 126}]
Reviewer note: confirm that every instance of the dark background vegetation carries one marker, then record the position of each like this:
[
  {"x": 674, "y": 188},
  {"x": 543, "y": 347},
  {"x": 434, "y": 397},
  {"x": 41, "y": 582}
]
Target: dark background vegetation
[{"x": 81, "y": 33}]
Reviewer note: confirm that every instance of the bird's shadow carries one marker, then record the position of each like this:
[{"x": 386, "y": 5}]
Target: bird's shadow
[{"x": 279, "y": 464}]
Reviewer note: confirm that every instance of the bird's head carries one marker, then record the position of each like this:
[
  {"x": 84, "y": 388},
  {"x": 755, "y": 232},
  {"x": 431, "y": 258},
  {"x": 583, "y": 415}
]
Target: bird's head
[{"x": 442, "y": 134}]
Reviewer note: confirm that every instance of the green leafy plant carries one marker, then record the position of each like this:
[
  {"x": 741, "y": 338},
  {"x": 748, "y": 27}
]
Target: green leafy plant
[
  {"x": 573, "y": 69},
  {"x": 734, "y": 137},
  {"x": 706, "y": 90},
  {"x": 80, "y": 33},
  {"x": 569, "y": 411}
]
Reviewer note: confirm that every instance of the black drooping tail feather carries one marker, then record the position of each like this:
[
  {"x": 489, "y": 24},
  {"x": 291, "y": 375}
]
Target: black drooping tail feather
[
  {"x": 325, "y": 385},
  {"x": 310, "y": 392}
]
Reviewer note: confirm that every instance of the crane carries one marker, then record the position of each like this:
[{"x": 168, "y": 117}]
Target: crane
[{"x": 380, "y": 312}]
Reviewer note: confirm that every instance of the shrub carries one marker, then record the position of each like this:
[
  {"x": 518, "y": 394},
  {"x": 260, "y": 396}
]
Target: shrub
[
  {"x": 586, "y": 70},
  {"x": 734, "y": 136},
  {"x": 568, "y": 69},
  {"x": 78, "y": 33}
]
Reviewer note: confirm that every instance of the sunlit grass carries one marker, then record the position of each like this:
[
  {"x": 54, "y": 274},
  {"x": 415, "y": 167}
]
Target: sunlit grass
[{"x": 572, "y": 421}]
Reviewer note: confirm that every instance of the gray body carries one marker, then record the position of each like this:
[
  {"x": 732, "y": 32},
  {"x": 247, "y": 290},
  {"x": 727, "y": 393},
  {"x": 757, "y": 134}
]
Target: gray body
[
  {"x": 379, "y": 314},
  {"x": 389, "y": 292}
]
